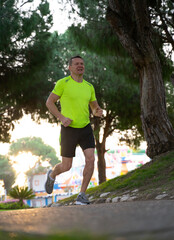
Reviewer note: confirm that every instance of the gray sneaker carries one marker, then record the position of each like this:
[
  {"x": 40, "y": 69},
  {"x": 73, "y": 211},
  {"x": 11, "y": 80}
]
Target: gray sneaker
[
  {"x": 49, "y": 183},
  {"x": 82, "y": 199}
]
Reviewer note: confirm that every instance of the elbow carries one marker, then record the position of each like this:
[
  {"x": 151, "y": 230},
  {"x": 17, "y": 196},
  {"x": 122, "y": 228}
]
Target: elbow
[{"x": 47, "y": 103}]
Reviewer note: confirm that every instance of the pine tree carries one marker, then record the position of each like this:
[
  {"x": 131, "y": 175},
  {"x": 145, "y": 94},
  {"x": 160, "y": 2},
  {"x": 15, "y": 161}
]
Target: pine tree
[{"x": 27, "y": 62}]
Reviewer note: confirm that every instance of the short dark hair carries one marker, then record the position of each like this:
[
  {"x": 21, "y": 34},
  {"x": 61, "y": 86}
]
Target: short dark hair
[{"x": 70, "y": 60}]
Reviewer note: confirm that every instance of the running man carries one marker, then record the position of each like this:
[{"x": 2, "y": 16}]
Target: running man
[{"x": 75, "y": 95}]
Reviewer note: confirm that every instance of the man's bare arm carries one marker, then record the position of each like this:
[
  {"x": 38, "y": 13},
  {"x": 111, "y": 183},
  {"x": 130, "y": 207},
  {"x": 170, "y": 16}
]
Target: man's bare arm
[
  {"x": 96, "y": 109},
  {"x": 50, "y": 103}
]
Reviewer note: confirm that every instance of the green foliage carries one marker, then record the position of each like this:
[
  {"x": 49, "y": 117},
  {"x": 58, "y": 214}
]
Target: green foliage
[
  {"x": 7, "y": 173},
  {"x": 161, "y": 13},
  {"x": 37, "y": 170},
  {"x": 61, "y": 236},
  {"x": 103, "y": 42},
  {"x": 12, "y": 206},
  {"x": 37, "y": 147},
  {"x": 21, "y": 194},
  {"x": 27, "y": 62}
]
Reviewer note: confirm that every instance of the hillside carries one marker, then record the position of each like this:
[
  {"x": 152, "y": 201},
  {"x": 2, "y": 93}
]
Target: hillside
[{"x": 154, "y": 180}]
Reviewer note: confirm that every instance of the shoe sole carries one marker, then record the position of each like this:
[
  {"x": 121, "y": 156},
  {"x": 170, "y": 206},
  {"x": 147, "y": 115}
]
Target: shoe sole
[{"x": 80, "y": 203}]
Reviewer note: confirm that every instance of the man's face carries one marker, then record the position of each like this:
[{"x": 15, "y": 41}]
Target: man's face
[{"x": 77, "y": 66}]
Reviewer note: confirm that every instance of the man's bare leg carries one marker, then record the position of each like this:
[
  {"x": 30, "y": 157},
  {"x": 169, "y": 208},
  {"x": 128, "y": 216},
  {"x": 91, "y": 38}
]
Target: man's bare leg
[
  {"x": 88, "y": 169},
  {"x": 64, "y": 166},
  {"x": 59, "y": 168}
]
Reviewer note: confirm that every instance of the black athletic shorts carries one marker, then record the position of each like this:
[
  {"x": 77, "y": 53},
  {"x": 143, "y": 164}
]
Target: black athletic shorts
[{"x": 71, "y": 137}]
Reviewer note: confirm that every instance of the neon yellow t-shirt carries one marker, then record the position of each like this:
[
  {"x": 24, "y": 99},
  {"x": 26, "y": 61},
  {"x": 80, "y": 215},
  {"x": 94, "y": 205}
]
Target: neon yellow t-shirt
[{"x": 74, "y": 100}]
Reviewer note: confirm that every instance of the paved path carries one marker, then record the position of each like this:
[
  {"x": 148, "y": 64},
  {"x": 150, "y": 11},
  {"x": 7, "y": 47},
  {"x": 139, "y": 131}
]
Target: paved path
[{"x": 124, "y": 220}]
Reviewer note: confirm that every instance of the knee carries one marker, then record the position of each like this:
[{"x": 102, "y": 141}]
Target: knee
[
  {"x": 66, "y": 167},
  {"x": 90, "y": 160}
]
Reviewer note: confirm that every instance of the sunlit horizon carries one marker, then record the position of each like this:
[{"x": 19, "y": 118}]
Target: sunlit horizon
[
  {"x": 21, "y": 164},
  {"x": 49, "y": 133}
]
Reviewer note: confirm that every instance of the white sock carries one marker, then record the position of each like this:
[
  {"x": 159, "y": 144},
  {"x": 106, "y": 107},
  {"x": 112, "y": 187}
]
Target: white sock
[
  {"x": 81, "y": 193},
  {"x": 52, "y": 179}
]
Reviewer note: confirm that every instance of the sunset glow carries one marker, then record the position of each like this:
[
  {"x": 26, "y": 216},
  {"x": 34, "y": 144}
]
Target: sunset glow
[{"x": 22, "y": 163}]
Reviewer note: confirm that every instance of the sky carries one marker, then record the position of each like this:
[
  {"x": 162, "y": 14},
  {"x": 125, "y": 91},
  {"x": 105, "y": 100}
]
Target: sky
[
  {"x": 60, "y": 13},
  {"x": 61, "y": 19}
]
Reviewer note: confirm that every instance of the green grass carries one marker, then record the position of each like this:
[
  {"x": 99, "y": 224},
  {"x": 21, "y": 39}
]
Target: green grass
[
  {"x": 156, "y": 170},
  {"x": 61, "y": 236},
  {"x": 159, "y": 170}
]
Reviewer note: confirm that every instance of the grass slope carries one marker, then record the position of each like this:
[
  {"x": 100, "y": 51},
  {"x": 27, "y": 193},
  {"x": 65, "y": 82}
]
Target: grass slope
[
  {"x": 151, "y": 179},
  {"x": 62, "y": 236}
]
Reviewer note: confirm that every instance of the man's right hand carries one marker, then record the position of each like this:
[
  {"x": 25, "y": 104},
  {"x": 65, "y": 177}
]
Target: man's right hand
[{"x": 65, "y": 121}]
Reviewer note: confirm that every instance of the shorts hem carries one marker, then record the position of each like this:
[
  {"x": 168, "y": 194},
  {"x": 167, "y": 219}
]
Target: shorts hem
[
  {"x": 67, "y": 156},
  {"x": 87, "y": 148}
]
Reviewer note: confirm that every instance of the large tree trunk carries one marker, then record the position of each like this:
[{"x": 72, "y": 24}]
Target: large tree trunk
[
  {"x": 157, "y": 128},
  {"x": 130, "y": 20}
]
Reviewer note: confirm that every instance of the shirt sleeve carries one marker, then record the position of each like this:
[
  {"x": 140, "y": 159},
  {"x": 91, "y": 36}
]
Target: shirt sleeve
[
  {"x": 93, "y": 97},
  {"x": 59, "y": 87}
]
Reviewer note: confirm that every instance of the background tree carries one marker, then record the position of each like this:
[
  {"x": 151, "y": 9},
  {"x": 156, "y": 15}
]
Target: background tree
[
  {"x": 37, "y": 147},
  {"x": 27, "y": 61},
  {"x": 131, "y": 21},
  {"x": 7, "y": 173}
]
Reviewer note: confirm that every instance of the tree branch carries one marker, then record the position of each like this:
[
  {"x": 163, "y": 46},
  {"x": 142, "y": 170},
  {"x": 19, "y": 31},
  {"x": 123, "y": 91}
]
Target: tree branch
[
  {"x": 172, "y": 78},
  {"x": 142, "y": 21},
  {"x": 29, "y": 1},
  {"x": 169, "y": 37}
]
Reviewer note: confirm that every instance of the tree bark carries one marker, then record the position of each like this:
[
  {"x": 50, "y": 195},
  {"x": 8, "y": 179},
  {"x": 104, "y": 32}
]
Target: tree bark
[
  {"x": 135, "y": 36},
  {"x": 101, "y": 144},
  {"x": 101, "y": 162},
  {"x": 100, "y": 151},
  {"x": 157, "y": 128}
]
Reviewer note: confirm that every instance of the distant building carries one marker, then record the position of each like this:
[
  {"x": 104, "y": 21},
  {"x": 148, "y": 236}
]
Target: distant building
[
  {"x": 123, "y": 160},
  {"x": 2, "y": 191},
  {"x": 36, "y": 183}
]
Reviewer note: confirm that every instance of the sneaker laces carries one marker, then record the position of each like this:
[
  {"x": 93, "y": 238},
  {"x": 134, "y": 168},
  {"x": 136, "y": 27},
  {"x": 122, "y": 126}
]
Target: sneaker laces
[{"x": 84, "y": 196}]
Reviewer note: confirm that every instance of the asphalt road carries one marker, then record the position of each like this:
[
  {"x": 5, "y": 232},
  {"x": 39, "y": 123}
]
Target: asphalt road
[{"x": 137, "y": 220}]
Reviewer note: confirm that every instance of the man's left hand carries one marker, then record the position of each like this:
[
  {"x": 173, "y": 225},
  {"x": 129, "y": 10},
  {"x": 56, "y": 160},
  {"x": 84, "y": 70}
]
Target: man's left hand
[{"x": 98, "y": 112}]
